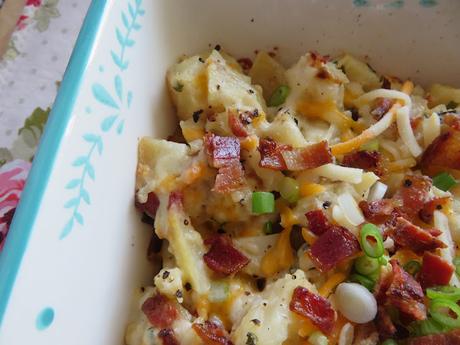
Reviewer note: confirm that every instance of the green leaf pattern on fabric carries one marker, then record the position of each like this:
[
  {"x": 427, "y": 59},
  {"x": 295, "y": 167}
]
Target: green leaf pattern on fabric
[
  {"x": 44, "y": 14},
  {"x": 29, "y": 135}
]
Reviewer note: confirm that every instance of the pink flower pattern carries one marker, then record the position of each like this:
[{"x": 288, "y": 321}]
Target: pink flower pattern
[{"x": 12, "y": 180}]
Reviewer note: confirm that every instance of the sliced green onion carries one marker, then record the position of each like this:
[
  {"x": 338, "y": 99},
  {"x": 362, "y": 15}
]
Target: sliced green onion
[
  {"x": 383, "y": 260},
  {"x": 268, "y": 228},
  {"x": 367, "y": 282},
  {"x": 427, "y": 327},
  {"x": 278, "y": 96},
  {"x": 372, "y": 145},
  {"x": 390, "y": 342},
  {"x": 412, "y": 267},
  {"x": 450, "y": 293},
  {"x": 373, "y": 250},
  {"x": 318, "y": 338},
  {"x": 289, "y": 189},
  {"x": 366, "y": 265},
  {"x": 457, "y": 265},
  {"x": 263, "y": 202},
  {"x": 444, "y": 318},
  {"x": 444, "y": 181}
]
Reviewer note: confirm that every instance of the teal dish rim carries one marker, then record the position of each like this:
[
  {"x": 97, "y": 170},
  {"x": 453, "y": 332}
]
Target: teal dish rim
[{"x": 61, "y": 114}]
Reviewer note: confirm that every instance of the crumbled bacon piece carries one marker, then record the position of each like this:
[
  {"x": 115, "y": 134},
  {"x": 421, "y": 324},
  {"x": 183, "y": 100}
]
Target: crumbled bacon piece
[
  {"x": 150, "y": 206},
  {"x": 378, "y": 211},
  {"x": 426, "y": 213},
  {"x": 222, "y": 257},
  {"x": 317, "y": 222},
  {"x": 270, "y": 155},
  {"x": 448, "y": 338},
  {"x": 415, "y": 122},
  {"x": 369, "y": 161},
  {"x": 176, "y": 199},
  {"x": 442, "y": 154},
  {"x": 308, "y": 157},
  {"x": 332, "y": 247},
  {"x": 160, "y": 311},
  {"x": 452, "y": 120},
  {"x": 435, "y": 271},
  {"x": 167, "y": 337},
  {"x": 381, "y": 107},
  {"x": 222, "y": 151},
  {"x": 237, "y": 126},
  {"x": 384, "y": 323},
  {"x": 229, "y": 178},
  {"x": 313, "y": 307},
  {"x": 407, "y": 235},
  {"x": 413, "y": 194},
  {"x": 405, "y": 293},
  {"x": 224, "y": 154},
  {"x": 212, "y": 333},
  {"x": 245, "y": 63}
]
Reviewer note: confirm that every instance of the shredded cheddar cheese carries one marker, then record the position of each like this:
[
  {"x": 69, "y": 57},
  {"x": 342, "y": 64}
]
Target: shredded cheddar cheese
[
  {"x": 326, "y": 289},
  {"x": 311, "y": 189}
]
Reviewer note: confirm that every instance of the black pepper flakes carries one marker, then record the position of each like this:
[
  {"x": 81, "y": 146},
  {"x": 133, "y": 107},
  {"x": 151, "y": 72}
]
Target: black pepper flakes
[
  {"x": 256, "y": 322},
  {"x": 179, "y": 294},
  {"x": 251, "y": 91},
  {"x": 165, "y": 274},
  {"x": 407, "y": 183},
  {"x": 251, "y": 339},
  {"x": 252, "y": 20},
  {"x": 186, "y": 222},
  {"x": 439, "y": 207},
  {"x": 296, "y": 121},
  {"x": 196, "y": 115},
  {"x": 188, "y": 286},
  {"x": 326, "y": 205},
  {"x": 354, "y": 114},
  {"x": 142, "y": 289},
  {"x": 260, "y": 283},
  {"x": 217, "y": 47},
  {"x": 218, "y": 87},
  {"x": 201, "y": 59}
]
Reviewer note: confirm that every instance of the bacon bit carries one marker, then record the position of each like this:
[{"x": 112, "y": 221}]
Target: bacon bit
[
  {"x": 245, "y": 63},
  {"x": 313, "y": 307},
  {"x": 452, "y": 120},
  {"x": 237, "y": 126},
  {"x": 167, "y": 337},
  {"x": 332, "y": 247},
  {"x": 407, "y": 235},
  {"x": 413, "y": 194},
  {"x": 229, "y": 178},
  {"x": 378, "y": 211},
  {"x": 426, "y": 213},
  {"x": 317, "y": 222},
  {"x": 442, "y": 154},
  {"x": 212, "y": 333},
  {"x": 222, "y": 257},
  {"x": 150, "y": 206},
  {"x": 270, "y": 155},
  {"x": 323, "y": 74},
  {"x": 415, "y": 122},
  {"x": 317, "y": 60},
  {"x": 382, "y": 286},
  {"x": 176, "y": 199},
  {"x": 384, "y": 324},
  {"x": 405, "y": 293},
  {"x": 160, "y": 311},
  {"x": 308, "y": 157},
  {"x": 222, "y": 151},
  {"x": 369, "y": 161},
  {"x": 381, "y": 107},
  {"x": 435, "y": 271},
  {"x": 449, "y": 338}
]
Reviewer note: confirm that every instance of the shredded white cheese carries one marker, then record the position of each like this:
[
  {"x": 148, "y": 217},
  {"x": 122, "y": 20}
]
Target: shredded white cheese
[
  {"x": 431, "y": 129},
  {"x": 405, "y": 131},
  {"x": 339, "y": 173}
]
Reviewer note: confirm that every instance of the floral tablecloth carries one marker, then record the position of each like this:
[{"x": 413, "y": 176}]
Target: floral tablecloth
[{"x": 30, "y": 72}]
